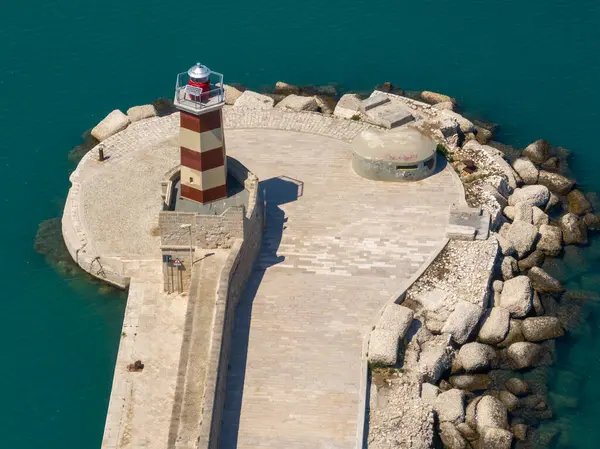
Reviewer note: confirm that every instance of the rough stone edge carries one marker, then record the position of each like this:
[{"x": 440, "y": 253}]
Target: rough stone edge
[{"x": 396, "y": 298}]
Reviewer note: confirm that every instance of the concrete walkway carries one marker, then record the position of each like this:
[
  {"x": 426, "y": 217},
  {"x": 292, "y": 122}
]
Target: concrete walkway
[{"x": 335, "y": 248}]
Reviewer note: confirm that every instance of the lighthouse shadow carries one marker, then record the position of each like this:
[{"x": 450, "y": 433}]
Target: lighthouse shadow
[{"x": 277, "y": 192}]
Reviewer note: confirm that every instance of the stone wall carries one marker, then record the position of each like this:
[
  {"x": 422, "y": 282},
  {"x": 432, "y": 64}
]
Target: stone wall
[{"x": 232, "y": 282}]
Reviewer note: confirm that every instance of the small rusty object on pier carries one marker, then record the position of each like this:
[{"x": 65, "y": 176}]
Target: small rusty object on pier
[
  {"x": 101, "y": 153},
  {"x": 136, "y": 366}
]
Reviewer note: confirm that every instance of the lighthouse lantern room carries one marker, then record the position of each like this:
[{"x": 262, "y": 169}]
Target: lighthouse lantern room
[{"x": 199, "y": 97}]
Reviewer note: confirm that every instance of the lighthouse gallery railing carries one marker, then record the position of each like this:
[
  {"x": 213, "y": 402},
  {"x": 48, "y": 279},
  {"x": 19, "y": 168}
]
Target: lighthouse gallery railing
[{"x": 194, "y": 97}]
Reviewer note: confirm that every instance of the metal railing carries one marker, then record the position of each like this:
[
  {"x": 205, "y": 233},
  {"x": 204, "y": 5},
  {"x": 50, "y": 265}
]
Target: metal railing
[{"x": 194, "y": 97}]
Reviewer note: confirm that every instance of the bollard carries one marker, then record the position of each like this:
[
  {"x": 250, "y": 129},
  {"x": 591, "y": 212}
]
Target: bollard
[{"x": 101, "y": 153}]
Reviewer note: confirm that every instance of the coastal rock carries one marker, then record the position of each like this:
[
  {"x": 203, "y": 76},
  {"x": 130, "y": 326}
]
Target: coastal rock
[
  {"x": 434, "y": 97},
  {"x": 526, "y": 170},
  {"x": 517, "y": 386},
  {"x": 509, "y": 212},
  {"x": 429, "y": 392},
  {"x": 578, "y": 204},
  {"x": 251, "y": 101},
  {"x": 467, "y": 431},
  {"x": 507, "y": 248},
  {"x": 520, "y": 431},
  {"x": 497, "y": 286},
  {"x": 462, "y": 321},
  {"x": 298, "y": 103},
  {"x": 552, "y": 202},
  {"x": 282, "y": 88},
  {"x": 510, "y": 401},
  {"x": 573, "y": 230},
  {"x": 537, "y": 152},
  {"x": 383, "y": 348},
  {"x": 326, "y": 105},
  {"x": 494, "y": 438},
  {"x": 470, "y": 382},
  {"x": 397, "y": 319},
  {"x": 435, "y": 358},
  {"x": 516, "y": 296},
  {"x": 445, "y": 106},
  {"x": 483, "y": 135},
  {"x": 542, "y": 328},
  {"x": 111, "y": 124},
  {"x": 451, "y": 437},
  {"x": 495, "y": 326},
  {"x": 535, "y": 195},
  {"x": 523, "y": 236},
  {"x": 450, "y": 406},
  {"x": 465, "y": 125},
  {"x": 543, "y": 282},
  {"x": 538, "y": 307},
  {"x": 471, "y": 412},
  {"x": 523, "y": 212},
  {"x": 552, "y": 164},
  {"x": 476, "y": 357},
  {"x": 535, "y": 259},
  {"x": 524, "y": 354},
  {"x": 348, "y": 106},
  {"x": 551, "y": 240},
  {"x": 490, "y": 412},
  {"x": 509, "y": 268},
  {"x": 556, "y": 183},
  {"x": 515, "y": 334},
  {"x": 231, "y": 94},
  {"x": 137, "y": 113},
  {"x": 592, "y": 222},
  {"x": 539, "y": 217}
]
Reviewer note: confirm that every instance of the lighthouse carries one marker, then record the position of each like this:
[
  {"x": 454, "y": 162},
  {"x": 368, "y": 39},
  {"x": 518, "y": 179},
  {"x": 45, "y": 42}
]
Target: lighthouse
[{"x": 199, "y": 97}]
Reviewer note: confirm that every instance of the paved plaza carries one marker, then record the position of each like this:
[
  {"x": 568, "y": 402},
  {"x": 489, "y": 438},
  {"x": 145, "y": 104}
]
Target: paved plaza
[{"x": 335, "y": 248}]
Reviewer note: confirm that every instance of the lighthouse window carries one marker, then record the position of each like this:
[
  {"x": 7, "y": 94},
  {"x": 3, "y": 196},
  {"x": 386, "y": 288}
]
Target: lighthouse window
[
  {"x": 406, "y": 167},
  {"x": 191, "y": 180}
]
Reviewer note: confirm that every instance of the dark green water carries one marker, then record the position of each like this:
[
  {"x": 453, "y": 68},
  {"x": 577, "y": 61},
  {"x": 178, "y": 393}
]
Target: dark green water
[{"x": 531, "y": 66}]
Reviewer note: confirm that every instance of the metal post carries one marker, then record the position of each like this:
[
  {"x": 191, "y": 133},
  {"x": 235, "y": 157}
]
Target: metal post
[
  {"x": 191, "y": 250},
  {"x": 101, "y": 153}
]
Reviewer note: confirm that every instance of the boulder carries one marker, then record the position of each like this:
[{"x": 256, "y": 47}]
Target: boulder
[
  {"x": 552, "y": 202},
  {"x": 537, "y": 152},
  {"x": 507, "y": 248},
  {"x": 515, "y": 334},
  {"x": 298, "y": 103},
  {"x": 539, "y": 217},
  {"x": 551, "y": 240},
  {"x": 231, "y": 94},
  {"x": 574, "y": 231},
  {"x": 462, "y": 321},
  {"x": 495, "y": 326},
  {"x": 552, "y": 164},
  {"x": 483, "y": 135},
  {"x": 509, "y": 212},
  {"x": 470, "y": 382},
  {"x": 451, "y": 437},
  {"x": 520, "y": 431},
  {"x": 250, "y": 100},
  {"x": 592, "y": 221},
  {"x": 348, "y": 106},
  {"x": 435, "y": 359},
  {"x": 543, "y": 282},
  {"x": 509, "y": 268},
  {"x": 542, "y": 328},
  {"x": 535, "y": 259},
  {"x": 282, "y": 88},
  {"x": 445, "y": 106},
  {"x": 490, "y": 412},
  {"x": 450, "y": 406},
  {"x": 111, "y": 124},
  {"x": 493, "y": 438},
  {"x": 465, "y": 125},
  {"x": 497, "y": 286},
  {"x": 526, "y": 170},
  {"x": 516, "y": 296},
  {"x": 467, "y": 431},
  {"x": 510, "y": 401},
  {"x": 137, "y": 113},
  {"x": 524, "y": 354},
  {"x": 326, "y": 105},
  {"x": 535, "y": 195},
  {"x": 523, "y": 212},
  {"x": 434, "y": 97},
  {"x": 517, "y": 386},
  {"x": 578, "y": 204},
  {"x": 538, "y": 307},
  {"x": 555, "y": 182},
  {"x": 383, "y": 348},
  {"x": 429, "y": 392},
  {"x": 523, "y": 237},
  {"x": 471, "y": 412},
  {"x": 476, "y": 357},
  {"x": 396, "y": 318}
]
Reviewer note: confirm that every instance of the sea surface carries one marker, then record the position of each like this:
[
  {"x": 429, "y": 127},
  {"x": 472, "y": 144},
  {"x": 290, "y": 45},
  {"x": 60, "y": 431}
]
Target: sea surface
[{"x": 531, "y": 66}]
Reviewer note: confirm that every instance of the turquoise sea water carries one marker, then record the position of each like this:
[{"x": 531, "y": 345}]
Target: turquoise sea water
[{"x": 531, "y": 66}]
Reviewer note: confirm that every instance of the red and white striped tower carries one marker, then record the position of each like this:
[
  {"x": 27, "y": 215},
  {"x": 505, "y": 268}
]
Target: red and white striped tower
[{"x": 199, "y": 97}]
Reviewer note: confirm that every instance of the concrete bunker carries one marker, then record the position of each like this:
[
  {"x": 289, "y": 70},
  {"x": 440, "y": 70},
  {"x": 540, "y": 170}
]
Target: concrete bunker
[{"x": 402, "y": 154}]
